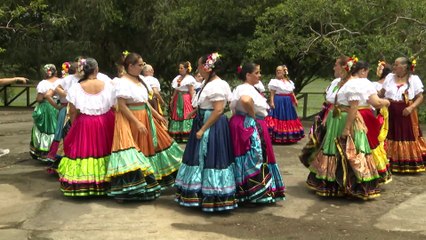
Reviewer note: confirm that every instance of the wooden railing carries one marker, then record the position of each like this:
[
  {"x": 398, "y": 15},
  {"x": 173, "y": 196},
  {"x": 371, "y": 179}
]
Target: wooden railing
[{"x": 10, "y": 98}]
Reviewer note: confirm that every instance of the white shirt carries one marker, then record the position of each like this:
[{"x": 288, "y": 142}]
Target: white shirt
[
  {"x": 44, "y": 86},
  {"x": 188, "y": 80},
  {"x": 92, "y": 104},
  {"x": 330, "y": 92},
  {"x": 357, "y": 89},
  {"x": 260, "y": 103},
  {"x": 394, "y": 93},
  {"x": 152, "y": 82},
  {"x": 132, "y": 92},
  {"x": 281, "y": 87},
  {"x": 216, "y": 90}
]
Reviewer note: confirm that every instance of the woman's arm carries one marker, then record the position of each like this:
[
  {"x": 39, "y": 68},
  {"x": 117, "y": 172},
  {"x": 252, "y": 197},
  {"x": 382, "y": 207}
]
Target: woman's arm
[
  {"x": 377, "y": 102},
  {"x": 5, "y": 81},
  {"x": 49, "y": 97},
  {"x": 73, "y": 112},
  {"x": 191, "y": 91},
  {"x": 60, "y": 91},
  {"x": 158, "y": 95},
  {"x": 122, "y": 106},
  {"x": 218, "y": 107},
  {"x": 40, "y": 97},
  {"x": 353, "y": 109},
  {"x": 248, "y": 105},
  {"x": 272, "y": 104},
  {"x": 417, "y": 101}
]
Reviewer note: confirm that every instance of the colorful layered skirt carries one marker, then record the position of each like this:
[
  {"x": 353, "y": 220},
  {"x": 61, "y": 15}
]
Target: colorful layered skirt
[
  {"x": 377, "y": 129},
  {"x": 163, "y": 153},
  {"x": 316, "y": 135},
  {"x": 406, "y": 147},
  {"x": 53, "y": 156},
  {"x": 283, "y": 123},
  {"x": 87, "y": 146},
  {"x": 344, "y": 167},
  {"x": 257, "y": 176},
  {"x": 129, "y": 172},
  {"x": 43, "y": 131},
  {"x": 179, "y": 126},
  {"x": 206, "y": 177}
]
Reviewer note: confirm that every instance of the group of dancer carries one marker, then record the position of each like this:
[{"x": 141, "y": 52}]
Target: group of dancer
[
  {"x": 109, "y": 137},
  {"x": 358, "y": 139}
]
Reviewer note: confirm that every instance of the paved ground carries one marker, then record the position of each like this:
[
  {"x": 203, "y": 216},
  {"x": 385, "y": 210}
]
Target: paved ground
[{"x": 32, "y": 206}]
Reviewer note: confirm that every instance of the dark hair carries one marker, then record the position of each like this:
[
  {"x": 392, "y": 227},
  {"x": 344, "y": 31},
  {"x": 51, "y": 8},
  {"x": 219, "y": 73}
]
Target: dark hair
[
  {"x": 246, "y": 68},
  {"x": 89, "y": 67},
  {"x": 73, "y": 68},
  {"x": 49, "y": 70},
  {"x": 358, "y": 66},
  {"x": 386, "y": 70},
  {"x": 187, "y": 66},
  {"x": 131, "y": 58},
  {"x": 218, "y": 65}
]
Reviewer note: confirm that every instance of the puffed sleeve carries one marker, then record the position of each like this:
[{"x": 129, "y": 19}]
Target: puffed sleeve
[
  {"x": 417, "y": 84},
  {"x": 122, "y": 89},
  {"x": 388, "y": 80},
  {"x": 174, "y": 82},
  {"x": 189, "y": 80},
  {"x": 44, "y": 86},
  {"x": 273, "y": 85},
  {"x": 219, "y": 92},
  {"x": 353, "y": 92},
  {"x": 72, "y": 93}
]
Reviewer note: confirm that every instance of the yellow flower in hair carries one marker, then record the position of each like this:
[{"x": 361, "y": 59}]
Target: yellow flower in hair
[
  {"x": 189, "y": 68},
  {"x": 125, "y": 53}
]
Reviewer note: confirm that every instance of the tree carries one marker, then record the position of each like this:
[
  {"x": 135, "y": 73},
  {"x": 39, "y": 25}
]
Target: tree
[{"x": 308, "y": 35}]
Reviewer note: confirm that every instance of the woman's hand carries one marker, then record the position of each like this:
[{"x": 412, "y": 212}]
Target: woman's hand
[
  {"x": 200, "y": 133},
  {"x": 21, "y": 79},
  {"x": 346, "y": 132},
  {"x": 162, "y": 120},
  {"x": 191, "y": 114},
  {"x": 141, "y": 128},
  {"x": 407, "y": 111},
  {"x": 272, "y": 105}
]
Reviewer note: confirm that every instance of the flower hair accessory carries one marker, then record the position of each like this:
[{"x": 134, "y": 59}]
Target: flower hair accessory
[
  {"x": 239, "y": 69},
  {"x": 211, "y": 60},
  {"x": 413, "y": 64},
  {"x": 125, "y": 53},
  {"x": 65, "y": 68},
  {"x": 380, "y": 66},
  {"x": 189, "y": 67},
  {"x": 350, "y": 63},
  {"x": 49, "y": 69}
]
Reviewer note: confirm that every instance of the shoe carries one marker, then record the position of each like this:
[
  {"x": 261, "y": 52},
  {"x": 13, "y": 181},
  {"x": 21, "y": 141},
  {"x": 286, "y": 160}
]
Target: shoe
[{"x": 4, "y": 151}]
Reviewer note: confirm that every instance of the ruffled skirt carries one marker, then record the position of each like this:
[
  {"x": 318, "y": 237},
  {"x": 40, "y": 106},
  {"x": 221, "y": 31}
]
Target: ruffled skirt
[
  {"x": 179, "y": 126},
  {"x": 344, "y": 167},
  {"x": 206, "y": 177},
  {"x": 406, "y": 147},
  {"x": 283, "y": 123},
  {"x": 82, "y": 171},
  {"x": 257, "y": 175},
  {"x": 43, "y": 131}
]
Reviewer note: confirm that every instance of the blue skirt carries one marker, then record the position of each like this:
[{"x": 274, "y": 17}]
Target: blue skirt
[{"x": 206, "y": 176}]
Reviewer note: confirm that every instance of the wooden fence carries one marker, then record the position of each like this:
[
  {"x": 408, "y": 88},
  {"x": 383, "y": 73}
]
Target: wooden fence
[{"x": 12, "y": 99}]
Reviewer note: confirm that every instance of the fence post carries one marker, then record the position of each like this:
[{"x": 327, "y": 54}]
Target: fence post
[
  {"x": 5, "y": 96},
  {"x": 305, "y": 105}
]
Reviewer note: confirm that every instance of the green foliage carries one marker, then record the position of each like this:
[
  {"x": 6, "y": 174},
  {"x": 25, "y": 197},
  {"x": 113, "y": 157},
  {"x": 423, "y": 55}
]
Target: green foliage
[{"x": 305, "y": 35}]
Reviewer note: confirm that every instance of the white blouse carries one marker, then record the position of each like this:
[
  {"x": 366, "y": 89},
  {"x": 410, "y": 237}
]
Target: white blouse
[
  {"x": 132, "y": 92},
  {"x": 357, "y": 89},
  {"x": 216, "y": 90},
  {"x": 394, "y": 93},
  {"x": 45, "y": 85},
  {"x": 281, "y": 87},
  {"x": 188, "y": 80},
  {"x": 378, "y": 86},
  {"x": 330, "y": 92},
  {"x": 260, "y": 103},
  {"x": 152, "y": 82},
  {"x": 103, "y": 77},
  {"x": 92, "y": 104},
  {"x": 260, "y": 86}
]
